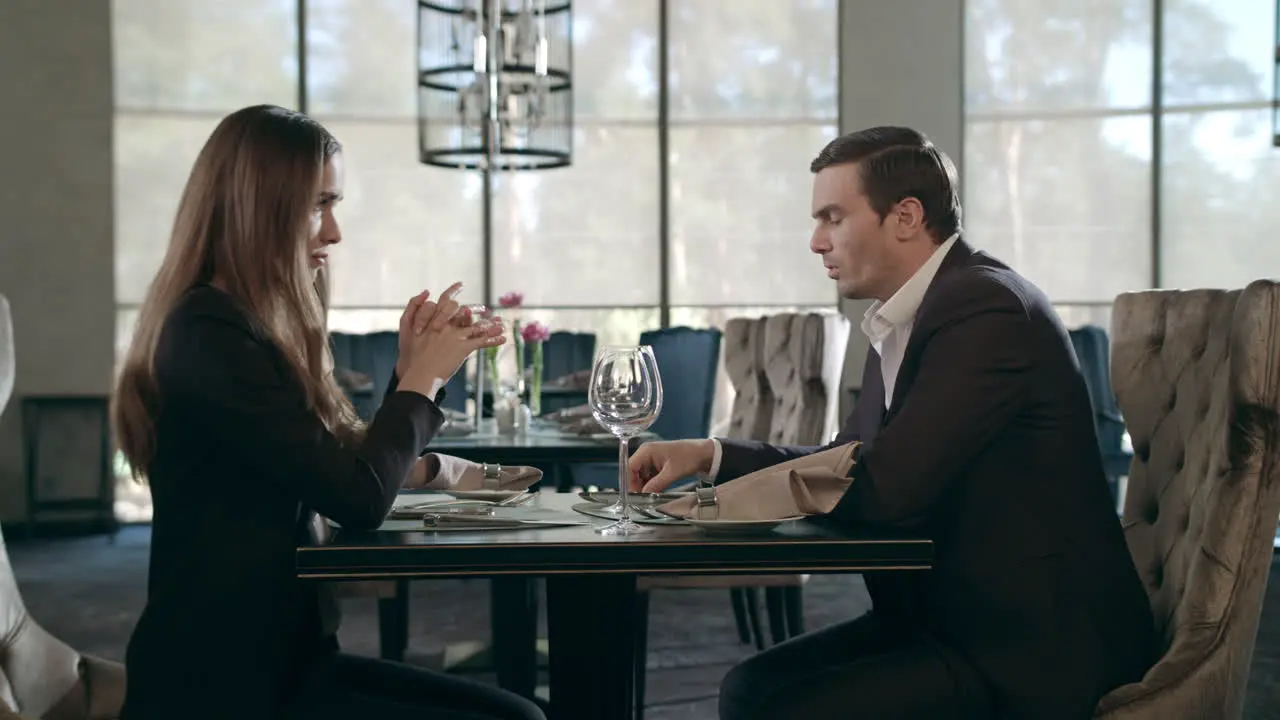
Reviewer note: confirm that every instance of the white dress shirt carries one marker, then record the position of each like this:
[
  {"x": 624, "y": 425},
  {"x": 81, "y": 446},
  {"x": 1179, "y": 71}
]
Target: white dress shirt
[{"x": 888, "y": 326}]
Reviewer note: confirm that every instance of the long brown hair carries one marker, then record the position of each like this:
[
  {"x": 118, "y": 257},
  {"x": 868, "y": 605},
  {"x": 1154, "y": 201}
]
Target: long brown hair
[{"x": 243, "y": 220}]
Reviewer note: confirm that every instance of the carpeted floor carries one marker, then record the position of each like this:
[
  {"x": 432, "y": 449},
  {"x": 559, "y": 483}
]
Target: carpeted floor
[{"x": 89, "y": 593}]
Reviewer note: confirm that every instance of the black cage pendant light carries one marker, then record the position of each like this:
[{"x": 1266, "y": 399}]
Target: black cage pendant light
[{"x": 494, "y": 84}]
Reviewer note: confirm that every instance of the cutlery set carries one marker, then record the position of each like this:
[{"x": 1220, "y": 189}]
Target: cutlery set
[{"x": 444, "y": 515}]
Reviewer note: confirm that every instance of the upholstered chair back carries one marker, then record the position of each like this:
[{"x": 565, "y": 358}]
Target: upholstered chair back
[
  {"x": 793, "y": 355},
  {"x": 1197, "y": 377},
  {"x": 744, "y": 364}
]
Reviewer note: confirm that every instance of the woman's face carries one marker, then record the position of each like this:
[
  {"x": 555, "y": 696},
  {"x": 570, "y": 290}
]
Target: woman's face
[{"x": 324, "y": 226}]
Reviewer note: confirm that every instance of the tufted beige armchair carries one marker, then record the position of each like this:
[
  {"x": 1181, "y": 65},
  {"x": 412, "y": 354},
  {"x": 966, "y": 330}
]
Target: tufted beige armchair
[
  {"x": 743, "y": 363},
  {"x": 40, "y": 676},
  {"x": 793, "y": 354},
  {"x": 1197, "y": 376}
]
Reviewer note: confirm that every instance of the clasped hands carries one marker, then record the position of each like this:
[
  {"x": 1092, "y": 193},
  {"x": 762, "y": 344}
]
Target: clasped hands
[{"x": 437, "y": 337}]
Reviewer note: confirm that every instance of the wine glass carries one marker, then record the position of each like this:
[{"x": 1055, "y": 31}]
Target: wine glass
[{"x": 625, "y": 397}]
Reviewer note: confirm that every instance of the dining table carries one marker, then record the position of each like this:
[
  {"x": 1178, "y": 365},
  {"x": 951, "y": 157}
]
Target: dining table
[
  {"x": 544, "y": 445},
  {"x": 591, "y": 579}
]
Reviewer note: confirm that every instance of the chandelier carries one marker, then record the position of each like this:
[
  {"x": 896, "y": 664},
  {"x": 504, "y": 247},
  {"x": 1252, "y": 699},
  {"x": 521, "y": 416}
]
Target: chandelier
[{"x": 494, "y": 90}]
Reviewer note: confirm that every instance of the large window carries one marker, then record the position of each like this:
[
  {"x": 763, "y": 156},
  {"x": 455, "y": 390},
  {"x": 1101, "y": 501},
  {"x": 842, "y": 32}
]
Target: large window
[
  {"x": 748, "y": 97},
  {"x": 1220, "y": 170},
  {"x": 1100, "y": 158}
]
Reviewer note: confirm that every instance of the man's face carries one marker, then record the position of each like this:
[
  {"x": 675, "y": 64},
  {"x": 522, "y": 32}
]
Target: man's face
[{"x": 857, "y": 248}]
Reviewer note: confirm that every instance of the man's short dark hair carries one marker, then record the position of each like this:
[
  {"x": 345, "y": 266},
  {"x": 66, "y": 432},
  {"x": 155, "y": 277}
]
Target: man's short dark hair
[{"x": 896, "y": 163}]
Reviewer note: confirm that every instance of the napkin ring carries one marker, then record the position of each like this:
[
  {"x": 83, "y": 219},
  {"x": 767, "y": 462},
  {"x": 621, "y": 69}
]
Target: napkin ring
[
  {"x": 708, "y": 506},
  {"x": 492, "y": 475}
]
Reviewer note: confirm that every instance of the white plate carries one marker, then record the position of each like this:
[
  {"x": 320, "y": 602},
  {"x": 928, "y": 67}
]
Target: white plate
[
  {"x": 740, "y": 526},
  {"x": 491, "y": 495}
]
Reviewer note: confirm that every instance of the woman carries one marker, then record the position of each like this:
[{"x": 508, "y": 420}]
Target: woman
[{"x": 227, "y": 404}]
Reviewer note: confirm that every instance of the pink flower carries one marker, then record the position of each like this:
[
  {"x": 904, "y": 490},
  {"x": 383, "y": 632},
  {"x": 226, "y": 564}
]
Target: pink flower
[
  {"x": 535, "y": 332},
  {"x": 511, "y": 300}
]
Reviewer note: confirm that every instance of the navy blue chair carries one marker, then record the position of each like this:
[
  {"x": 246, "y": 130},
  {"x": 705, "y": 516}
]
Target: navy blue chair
[
  {"x": 352, "y": 352},
  {"x": 342, "y": 348},
  {"x": 383, "y": 349},
  {"x": 1093, "y": 352},
  {"x": 687, "y": 361},
  {"x": 455, "y": 391},
  {"x": 564, "y": 353},
  {"x": 375, "y": 355}
]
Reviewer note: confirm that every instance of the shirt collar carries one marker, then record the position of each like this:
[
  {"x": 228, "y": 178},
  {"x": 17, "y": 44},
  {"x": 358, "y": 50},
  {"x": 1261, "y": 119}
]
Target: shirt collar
[{"x": 900, "y": 309}]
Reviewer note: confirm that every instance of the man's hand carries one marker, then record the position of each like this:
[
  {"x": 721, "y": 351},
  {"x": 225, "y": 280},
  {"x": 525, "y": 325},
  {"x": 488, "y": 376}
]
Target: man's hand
[{"x": 658, "y": 464}]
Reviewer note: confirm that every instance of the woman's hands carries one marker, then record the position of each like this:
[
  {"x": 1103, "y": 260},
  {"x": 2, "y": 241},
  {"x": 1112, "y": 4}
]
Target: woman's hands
[
  {"x": 436, "y": 338},
  {"x": 408, "y": 320}
]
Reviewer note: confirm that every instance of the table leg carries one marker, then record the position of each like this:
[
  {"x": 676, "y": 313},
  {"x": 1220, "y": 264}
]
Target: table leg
[
  {"x": 393, "y": 623},
  {"x": 593, "y": 646},
  {"x": 513, "y": 604}
]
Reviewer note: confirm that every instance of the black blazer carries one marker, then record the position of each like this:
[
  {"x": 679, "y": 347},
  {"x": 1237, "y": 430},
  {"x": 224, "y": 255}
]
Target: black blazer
[
  {"x": 240, "y": 472},
  {"x": 988, "y": 448}
]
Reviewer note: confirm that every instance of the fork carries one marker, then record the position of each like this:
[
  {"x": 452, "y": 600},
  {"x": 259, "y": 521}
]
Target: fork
[
  {"x": 512, "y": 501},
  {"x": 515, "y": 500},
  {"x": 655, "y": 515}
]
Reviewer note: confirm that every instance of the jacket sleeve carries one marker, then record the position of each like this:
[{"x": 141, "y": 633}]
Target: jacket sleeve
[
  {"x": 971, "y": 381},
  {"x": 232, "y": 384},
  {"x": 394, "y": 383},
  {"x": 742, "y": 457}
]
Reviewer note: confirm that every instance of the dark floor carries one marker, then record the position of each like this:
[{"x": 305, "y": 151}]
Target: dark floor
[{"x": 89, "y": 593}]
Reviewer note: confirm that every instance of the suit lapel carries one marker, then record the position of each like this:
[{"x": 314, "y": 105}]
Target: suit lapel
[{"x": 959, "y": 256}]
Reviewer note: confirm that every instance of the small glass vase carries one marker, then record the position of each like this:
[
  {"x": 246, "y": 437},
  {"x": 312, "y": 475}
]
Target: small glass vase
[{"x": 535, "y": 380}]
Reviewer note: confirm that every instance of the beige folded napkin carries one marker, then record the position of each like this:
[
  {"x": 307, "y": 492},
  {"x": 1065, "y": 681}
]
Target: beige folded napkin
[
  {"x": 810, "y": 485},
  {"x": 454, "y": 473}
]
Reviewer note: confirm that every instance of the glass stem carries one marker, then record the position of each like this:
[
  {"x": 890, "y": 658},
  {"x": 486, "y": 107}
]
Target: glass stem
[{"x": 624, "y": 477}]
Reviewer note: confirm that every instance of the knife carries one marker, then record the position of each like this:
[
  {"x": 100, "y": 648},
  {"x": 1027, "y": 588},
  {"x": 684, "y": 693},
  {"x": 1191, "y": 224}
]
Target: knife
[{"x": 480, "y": 522}]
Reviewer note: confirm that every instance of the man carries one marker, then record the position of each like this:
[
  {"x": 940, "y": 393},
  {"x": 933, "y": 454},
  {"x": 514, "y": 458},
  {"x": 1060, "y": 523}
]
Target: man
[{"x": 975, "y": 429}]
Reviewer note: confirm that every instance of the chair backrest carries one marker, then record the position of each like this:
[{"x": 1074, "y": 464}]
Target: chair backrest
[
  {"x": 1197, "y": 376},
  {"x": 793, "y": 361},
  {"x": 687, "y": 360},
  {"x": 36, "y": 669},
  {"x": 455, "y": 391},
  {"x": 373, "y": 354},
  {"x": 744, "y": 364},
  {"x": 343, "y": 345},
  {"x": 1090, "y": 343},
  {"x": 383, "y": 349},
  {"x": 565, "y": 353},
  {"x": 8, "y": 368}
]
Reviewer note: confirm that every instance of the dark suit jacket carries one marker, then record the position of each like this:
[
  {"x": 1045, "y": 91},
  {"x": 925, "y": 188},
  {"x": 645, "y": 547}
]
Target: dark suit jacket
[
  {"x": 988, "y": 448},
  {"x": 241, "y": 469}
]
